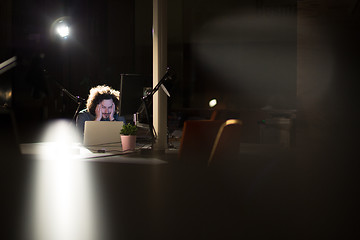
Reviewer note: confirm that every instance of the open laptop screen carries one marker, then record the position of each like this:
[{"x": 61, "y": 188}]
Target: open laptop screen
[{"x": 102, "y": 132}]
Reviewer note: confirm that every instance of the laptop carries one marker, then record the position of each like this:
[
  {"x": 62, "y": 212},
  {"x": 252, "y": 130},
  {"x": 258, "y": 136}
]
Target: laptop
[{"x": 102, "y": 133}]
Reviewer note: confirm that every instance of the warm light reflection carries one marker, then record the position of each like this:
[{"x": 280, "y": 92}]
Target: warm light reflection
[
  {"x": 63, "y": 202},
  {"x": 5, "y": 95}
]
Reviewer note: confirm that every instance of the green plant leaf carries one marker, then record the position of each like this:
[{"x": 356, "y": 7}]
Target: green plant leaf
[{"x": 129, "y": 129}]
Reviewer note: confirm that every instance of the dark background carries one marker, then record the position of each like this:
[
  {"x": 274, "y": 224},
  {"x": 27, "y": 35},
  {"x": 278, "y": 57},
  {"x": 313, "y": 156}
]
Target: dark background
[
  {"x": 301, "y": 55},
  {"x": 241, "y": 52}
]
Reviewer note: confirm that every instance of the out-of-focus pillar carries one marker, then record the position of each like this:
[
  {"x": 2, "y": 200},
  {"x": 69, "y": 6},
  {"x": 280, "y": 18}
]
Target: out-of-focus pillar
[{"x": 159, "y": 69}]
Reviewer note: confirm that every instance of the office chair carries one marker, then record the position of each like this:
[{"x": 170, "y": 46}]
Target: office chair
[
  {"x": 227, "y": 142},
  {"x": 197, "y": 140}
]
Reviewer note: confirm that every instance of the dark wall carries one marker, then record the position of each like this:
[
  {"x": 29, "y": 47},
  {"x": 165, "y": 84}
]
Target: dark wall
[
  {"x": 100, "y": 48},
  {"x": 241, "y": 52},
  {"x": 5, "y": 34},
  {"x": 243, "y": 49},
  {"x": 327, "y": 123}
]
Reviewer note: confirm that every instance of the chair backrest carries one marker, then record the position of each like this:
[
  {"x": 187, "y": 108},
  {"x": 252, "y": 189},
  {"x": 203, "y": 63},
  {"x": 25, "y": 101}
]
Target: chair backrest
[
  {"x": 9, "y": 142},
  {"x": 227, "y": 142},
  {"x": 197, "y": 140}
]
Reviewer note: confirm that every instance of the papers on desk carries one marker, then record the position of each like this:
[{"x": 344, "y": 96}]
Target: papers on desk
[
  {"x": 111, "y": 148},
  {"x": 51, "y": 150}
]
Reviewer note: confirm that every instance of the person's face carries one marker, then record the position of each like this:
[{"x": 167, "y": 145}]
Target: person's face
[{"x": 106, "y": 107}]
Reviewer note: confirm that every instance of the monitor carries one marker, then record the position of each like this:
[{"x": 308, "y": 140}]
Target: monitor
[{"x": 132, "y": 89}]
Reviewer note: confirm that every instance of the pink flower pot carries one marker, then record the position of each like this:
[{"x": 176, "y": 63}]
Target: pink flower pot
[{"x": 128, "y": 142}]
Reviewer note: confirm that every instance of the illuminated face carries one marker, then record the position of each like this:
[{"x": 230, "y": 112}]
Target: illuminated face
[{"x": 106, "y": 107}]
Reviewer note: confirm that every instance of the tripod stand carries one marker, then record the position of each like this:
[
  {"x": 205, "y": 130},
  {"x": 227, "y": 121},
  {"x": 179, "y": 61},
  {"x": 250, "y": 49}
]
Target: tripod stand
[
  {"x": 78, "y": 100},
  {"x": 147, "y": 99}
]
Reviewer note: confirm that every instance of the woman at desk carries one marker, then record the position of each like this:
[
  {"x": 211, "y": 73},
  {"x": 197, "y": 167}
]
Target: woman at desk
[{"x": 101, "y": 105}]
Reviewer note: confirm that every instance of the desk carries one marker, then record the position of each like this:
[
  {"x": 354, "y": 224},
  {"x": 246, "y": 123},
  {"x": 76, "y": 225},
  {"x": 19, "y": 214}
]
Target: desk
[
  {"x": 146, "y": 197},
  {"x": 75, "y": 151}
]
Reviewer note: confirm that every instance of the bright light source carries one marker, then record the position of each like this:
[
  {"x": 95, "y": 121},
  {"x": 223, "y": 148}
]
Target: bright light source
[
  {"x": 63, "y": 202},
  {"x": 212, "y": 103},
  {"x": 63, "y": 30},
  {"x": 60, "y": 131},
  {"x": 62, "y": 142}
]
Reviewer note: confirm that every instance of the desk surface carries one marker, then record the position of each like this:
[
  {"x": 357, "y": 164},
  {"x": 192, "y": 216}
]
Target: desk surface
[
  {"x": 263, "y": 196},
  {"x": 50, "y": 150},
  {"x": 98, "y": 198}
]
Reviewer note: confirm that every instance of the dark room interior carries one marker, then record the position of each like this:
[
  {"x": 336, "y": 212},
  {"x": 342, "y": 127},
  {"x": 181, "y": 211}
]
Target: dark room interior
[{"x": 288, "y": 69}]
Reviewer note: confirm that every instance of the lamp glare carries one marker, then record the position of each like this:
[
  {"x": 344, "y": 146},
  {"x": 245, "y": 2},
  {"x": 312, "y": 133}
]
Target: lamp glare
[
  {"x": 212, "y": 103},
  {"x": 63, "y": 30}
]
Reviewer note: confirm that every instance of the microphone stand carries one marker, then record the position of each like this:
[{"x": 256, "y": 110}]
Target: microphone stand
[
  {"x": 148, "y": 98},
  {"x": 7, "y": 65},
  {"x": 77, "y": 99}
]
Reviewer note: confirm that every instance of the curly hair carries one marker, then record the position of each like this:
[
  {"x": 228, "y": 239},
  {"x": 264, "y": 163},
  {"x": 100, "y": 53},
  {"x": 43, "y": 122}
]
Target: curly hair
[{"x": 98, "y": 94}]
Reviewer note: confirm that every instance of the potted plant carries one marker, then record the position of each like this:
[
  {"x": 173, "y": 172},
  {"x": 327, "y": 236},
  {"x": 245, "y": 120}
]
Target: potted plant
[{"x": 128, "y": 136}]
